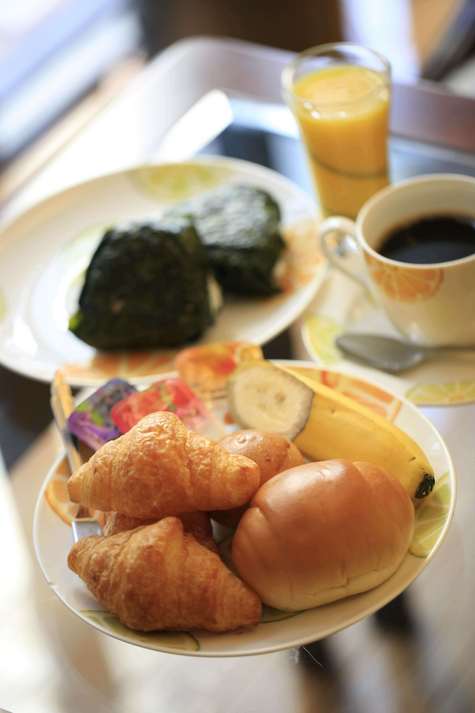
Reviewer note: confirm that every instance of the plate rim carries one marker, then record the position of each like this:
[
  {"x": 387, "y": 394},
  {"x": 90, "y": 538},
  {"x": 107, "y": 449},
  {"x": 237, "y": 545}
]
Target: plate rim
[{"x": 40, "y": 501}]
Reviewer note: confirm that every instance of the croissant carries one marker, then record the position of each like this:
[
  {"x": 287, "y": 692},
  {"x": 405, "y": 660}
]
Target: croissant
[
  {"x": 196, "y": 523},
  {"x": 161, "y": 468},
  {"x": 159, "y": 577}
]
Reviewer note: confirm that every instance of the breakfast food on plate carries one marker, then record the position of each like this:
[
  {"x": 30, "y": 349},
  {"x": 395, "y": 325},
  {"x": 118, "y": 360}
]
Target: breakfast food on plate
[
  {"x": 306, "y": 534},
  {"x": 197, "y": 524},
  {"x": 160, "y": 468},
  {"x": 117, "y": 406},
  {"x": 324, "y": 423},
  {"x": 239, "y": 225},
  {"x": 147, "y": 284},
  {"x": 160, "y": 577},
  {"x": 206, "y": 368},
  {"x": 272, "y": 452},
  {"x": 91, "y": 420},
  {"x": 323, "y": 531},
  {"x": 151, "y": 284},
  {"x": 262, "y": 396},
  {"x": 168, "y": 394}
]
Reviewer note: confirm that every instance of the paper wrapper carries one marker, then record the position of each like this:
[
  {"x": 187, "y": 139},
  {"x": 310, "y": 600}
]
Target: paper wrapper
[{"x": 91, "y": 420}]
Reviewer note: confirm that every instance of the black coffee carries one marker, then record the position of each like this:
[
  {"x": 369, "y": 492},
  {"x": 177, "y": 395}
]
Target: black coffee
[{"x": 435, "y": 238}]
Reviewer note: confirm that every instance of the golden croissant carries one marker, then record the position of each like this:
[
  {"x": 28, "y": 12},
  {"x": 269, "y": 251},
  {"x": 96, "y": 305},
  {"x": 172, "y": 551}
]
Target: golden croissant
[
  {"x": 196, "y": 523},
  {"x": 160, "y": 577},
  {"x": 161, "y": 468}
]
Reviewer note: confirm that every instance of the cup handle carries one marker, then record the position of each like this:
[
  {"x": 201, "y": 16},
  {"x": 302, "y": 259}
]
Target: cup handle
[{"x": 337, "y": 240}]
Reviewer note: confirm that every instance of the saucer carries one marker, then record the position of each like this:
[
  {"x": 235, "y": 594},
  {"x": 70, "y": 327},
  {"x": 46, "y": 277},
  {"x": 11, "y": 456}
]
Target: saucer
[{"x": 341, "y": 305}]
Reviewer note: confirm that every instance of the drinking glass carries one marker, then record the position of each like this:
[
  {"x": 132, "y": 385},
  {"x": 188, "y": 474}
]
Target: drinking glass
[{"x": 340, "y": 96}]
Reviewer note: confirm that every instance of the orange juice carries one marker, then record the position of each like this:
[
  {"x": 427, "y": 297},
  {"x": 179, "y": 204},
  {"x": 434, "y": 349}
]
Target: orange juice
[{"x": 342, "y": 112}]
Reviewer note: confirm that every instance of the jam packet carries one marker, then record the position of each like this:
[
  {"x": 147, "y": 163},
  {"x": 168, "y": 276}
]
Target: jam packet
[
  {"x": 91, "y": 420},
  {"x": 170, "y": 394},
  {"x": 207, "y": 368}
]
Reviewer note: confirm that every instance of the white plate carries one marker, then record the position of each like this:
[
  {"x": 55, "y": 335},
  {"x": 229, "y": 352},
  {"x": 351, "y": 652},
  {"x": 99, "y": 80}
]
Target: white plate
[
  {"x": 43, "y": 255},
  {"x": 52, "y": 539}
]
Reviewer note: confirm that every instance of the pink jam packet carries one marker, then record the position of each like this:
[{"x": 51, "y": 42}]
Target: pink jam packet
[{"x": 170, "y": 394}]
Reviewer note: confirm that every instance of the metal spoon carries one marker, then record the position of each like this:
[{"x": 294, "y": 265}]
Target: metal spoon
[{"x": 388, "y": 353}]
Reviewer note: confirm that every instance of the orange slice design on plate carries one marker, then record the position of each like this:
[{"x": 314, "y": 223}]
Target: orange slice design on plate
[
  {"x": 123, "y": 364},
  {"x": 56, "y": 494},
  {"x": 146, "y": 363},
  {"x": 302, "y": 257},
  {"x": 373, "y": 397},
  {"x": 57, "y": 497},
  {"x": 405, "y": 284}
]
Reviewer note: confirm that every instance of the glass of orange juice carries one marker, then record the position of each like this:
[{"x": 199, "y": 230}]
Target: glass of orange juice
[{"x": 340, "y": 95}]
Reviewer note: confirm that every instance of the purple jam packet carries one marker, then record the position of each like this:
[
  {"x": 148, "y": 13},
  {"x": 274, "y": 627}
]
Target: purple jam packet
[{"x": 91, "y": 421}]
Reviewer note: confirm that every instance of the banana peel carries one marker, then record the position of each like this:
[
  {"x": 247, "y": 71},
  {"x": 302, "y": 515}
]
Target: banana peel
[{"x": 330, "y": 425}]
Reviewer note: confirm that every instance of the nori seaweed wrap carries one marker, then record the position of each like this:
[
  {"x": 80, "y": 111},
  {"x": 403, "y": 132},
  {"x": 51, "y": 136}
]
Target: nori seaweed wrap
[
  {"x": 147, "y": 285},
  {"x": 239, "y": 226}
]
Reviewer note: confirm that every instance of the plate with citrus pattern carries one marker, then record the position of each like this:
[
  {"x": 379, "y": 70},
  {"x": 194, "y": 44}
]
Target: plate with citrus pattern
[
  {"x": 277, "y": 629},
  {"x": 342, "y": 305},
  {"x": 45, "y": 251}
]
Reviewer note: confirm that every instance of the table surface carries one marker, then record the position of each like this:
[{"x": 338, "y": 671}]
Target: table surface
[{"x": 417, "y": 653}]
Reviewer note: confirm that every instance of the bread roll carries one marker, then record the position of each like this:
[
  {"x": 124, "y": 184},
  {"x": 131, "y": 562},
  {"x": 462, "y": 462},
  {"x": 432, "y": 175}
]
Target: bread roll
[
  {"x": 322, "y": 531},
  {"x": 272, "y": 453}
]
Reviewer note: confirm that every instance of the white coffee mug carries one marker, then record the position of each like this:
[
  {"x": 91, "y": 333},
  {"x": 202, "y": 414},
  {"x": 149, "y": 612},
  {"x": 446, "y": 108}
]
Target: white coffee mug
[{"x": 433, "y": 303}]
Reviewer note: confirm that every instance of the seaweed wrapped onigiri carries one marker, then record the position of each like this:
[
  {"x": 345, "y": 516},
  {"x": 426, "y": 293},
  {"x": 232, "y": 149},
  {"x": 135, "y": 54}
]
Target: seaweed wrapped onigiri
[
  {"x": 239, "y": 225},
  {"x": 147, "y": 285}
]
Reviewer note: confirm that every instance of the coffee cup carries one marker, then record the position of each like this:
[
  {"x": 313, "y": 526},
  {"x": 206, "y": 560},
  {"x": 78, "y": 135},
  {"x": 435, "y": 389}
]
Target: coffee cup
[{"x": 430, "y": 299}]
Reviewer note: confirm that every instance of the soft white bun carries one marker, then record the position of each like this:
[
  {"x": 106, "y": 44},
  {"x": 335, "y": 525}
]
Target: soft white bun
[{"x": 322, "y": 531}]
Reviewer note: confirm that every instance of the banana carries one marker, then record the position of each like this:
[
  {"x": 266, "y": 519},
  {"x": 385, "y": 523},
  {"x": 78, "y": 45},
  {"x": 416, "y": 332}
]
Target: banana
[
  {"x": 325, "y": 424},
  {"x": 259, "y": 393}
]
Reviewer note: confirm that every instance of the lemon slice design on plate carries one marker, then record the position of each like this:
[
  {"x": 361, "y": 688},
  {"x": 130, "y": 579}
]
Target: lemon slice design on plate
[
  {"x": 269, "y": 614},
  {"x": 180, "y": 640},
  {"x": 321, "y": 333},
  {"x": 456, "y": 392},
  {"x": 431, "y": 516},
  {"x": 171, "y": 182}
]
